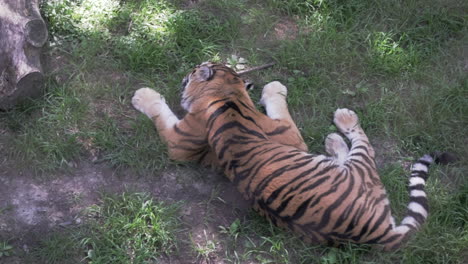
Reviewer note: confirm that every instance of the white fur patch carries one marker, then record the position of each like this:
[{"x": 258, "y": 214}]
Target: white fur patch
[
  {"x": 409, "y": 220},
  {"x": 402, "y": 229},
  {"x": 168, "y": 116},
  {"x": 427, "y": 158},
  {"x": 416, "y": 181},
  {"x": 274, "y": 100},
  {"x": 419, "y": 167},
  {"x": 417, "y": 208},
  {"x": 417, "y": 193},
  {"x": 273, "y": 110},
  {"x": 386, "y": 201},
  {"x": 392, "y": 221}
]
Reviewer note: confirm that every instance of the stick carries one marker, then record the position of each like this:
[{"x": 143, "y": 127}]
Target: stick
[{"x": 261, "y": 67}]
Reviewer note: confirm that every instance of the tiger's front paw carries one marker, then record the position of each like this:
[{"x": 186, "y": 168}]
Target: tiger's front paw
[
  {"x": 148, "y": 101},
  {"x": 273, "y": 90},
  {"x": 346, "y": 120}
]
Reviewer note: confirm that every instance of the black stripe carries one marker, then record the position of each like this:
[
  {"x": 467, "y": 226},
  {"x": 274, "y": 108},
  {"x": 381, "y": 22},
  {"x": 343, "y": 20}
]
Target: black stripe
[
  {"x": 419, "y": 173},
  {"x": 285, "y": 157},
  {"x": 245, "y": 152},
  {"x": 344, "y": 216},
  {"x": 278, "y": 130},
  {"x": 276, "y": 193},
  {"x": 417, "y": 216},
  {"x": 303, "y": 174},
  {"x": 363, "y": 230},
  {"x": 218, "y": 101},
  {"x": 283, "y": 205},
  {"x": 228, "y": 105},
  {"x": 247, "y": 106},
  {"x": 377, "y": 239},
  {"x": 367, "y": 161},
  {"x": 217, "y": 113},
  {"x": 260, "y": 152},
  {"x": 417, "y": 187},
  {"x": 306, "y": 157},
  {"x": 266, "y": 181},
  {"x": 290, "y": 168},
  {"x": 424, "y": 162},
  {"x": 333, "y": 189},
  {"x": 247, "y": 188},
  {"x": 421, "y": 200},
  {"x": 326, "y": 215},
  {"x": 383, "y": 216},
  {"x": 299, "y": 211},
  {"x": 310, "y": 187},
  {"x": 242, "y": 128},
  {"x": 365, "y": 148},
  {"x": 390, "y": 239},
  {"x": 178, "y": 131},
  {"x": 222, "y": 151},
  {"x": 205, "y": 152}
]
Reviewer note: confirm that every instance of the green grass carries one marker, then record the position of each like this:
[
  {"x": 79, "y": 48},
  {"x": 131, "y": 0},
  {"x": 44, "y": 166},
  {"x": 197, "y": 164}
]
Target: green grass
[
  {"x": 400, "y": 64},
  {"x": 126, "y": 228},
  {"x": 5, "y": 249}
]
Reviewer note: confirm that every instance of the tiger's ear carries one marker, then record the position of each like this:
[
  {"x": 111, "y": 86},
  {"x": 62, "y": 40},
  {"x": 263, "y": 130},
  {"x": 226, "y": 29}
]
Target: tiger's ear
[{"x": 206, "y": 73}]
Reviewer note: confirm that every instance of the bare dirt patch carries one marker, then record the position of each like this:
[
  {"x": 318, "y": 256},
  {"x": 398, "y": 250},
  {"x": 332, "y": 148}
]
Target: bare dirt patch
[
  {"x": 286, "y": 29},
  {"x": 32, "y": 206}
]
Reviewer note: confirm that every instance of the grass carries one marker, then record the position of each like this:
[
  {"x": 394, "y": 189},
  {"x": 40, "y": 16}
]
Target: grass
[
  {"x": 5, "y": 249},
  {"x": 126, "y": 228},
  {"x": 400, "y": 64}
]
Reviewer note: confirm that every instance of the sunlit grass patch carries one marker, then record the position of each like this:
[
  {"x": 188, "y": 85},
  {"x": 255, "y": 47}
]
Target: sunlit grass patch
[
  {"x": 145, "y": 36},
  {"x": 387, "y": 54}
]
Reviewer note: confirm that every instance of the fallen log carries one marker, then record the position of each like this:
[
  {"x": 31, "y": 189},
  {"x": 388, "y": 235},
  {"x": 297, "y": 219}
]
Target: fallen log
[{"x": 23, "y": 33}]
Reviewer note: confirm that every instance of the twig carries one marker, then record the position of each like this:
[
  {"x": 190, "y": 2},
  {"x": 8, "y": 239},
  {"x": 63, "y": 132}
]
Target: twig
[{"x": 261, "y": 67}]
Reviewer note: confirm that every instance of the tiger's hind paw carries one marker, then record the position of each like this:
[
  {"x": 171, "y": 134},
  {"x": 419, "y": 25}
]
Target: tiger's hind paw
[
  {"x": 148, "y": 101},
  {"x": 272, "y": 90},
  {"x": 346, "y": 120},
  {"x": 336, "y": 147}
]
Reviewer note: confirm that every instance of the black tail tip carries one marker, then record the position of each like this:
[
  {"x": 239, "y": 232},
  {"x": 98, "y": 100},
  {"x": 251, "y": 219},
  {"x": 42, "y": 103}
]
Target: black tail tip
[{"x": 444, "y": 158}]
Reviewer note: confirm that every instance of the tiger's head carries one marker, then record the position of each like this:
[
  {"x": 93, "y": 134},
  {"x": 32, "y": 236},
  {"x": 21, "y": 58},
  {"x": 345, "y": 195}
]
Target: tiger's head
[{"x": 211, "y": 81}]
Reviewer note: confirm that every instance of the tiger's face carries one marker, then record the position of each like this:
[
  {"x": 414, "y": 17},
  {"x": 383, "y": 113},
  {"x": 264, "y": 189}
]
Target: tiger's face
[{"x": 209, "y": 80}]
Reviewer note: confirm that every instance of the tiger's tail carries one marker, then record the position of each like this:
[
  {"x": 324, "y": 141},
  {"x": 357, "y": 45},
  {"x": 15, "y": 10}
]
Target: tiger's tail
[{"x": 417, "y": 207}]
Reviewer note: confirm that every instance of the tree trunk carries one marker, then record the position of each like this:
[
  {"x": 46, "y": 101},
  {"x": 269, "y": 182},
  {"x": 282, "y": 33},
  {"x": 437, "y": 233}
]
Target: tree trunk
[{"x": 22, "y": 35}]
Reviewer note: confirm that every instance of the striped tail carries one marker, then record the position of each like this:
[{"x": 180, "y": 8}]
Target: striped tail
[{"x": 418, "y": 204}]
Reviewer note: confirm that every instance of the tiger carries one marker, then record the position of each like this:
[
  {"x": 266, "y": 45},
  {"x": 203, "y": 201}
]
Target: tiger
[{"x": 325, "y": 199}]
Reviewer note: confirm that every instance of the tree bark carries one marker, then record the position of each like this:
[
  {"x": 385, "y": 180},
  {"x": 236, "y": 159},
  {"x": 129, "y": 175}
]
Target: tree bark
[{"x": 23, "y": 32}]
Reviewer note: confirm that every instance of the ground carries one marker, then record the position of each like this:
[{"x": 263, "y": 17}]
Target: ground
[
  {"x": 67, "y": 155},
  {"x": 34, "y": 207}
]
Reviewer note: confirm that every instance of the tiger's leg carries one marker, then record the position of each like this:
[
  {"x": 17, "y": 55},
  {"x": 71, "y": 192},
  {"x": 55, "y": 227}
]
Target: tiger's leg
[
  {"x": 336, "y": 147},
  {"x": 348, "y": 123},
  {"x": 184, "y": 141},
  {"x": 279, "y": 126}
]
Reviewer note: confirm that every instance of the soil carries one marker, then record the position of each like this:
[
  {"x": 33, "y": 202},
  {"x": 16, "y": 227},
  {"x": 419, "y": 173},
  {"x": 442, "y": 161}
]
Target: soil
[{"x": 32, "y": 206}]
